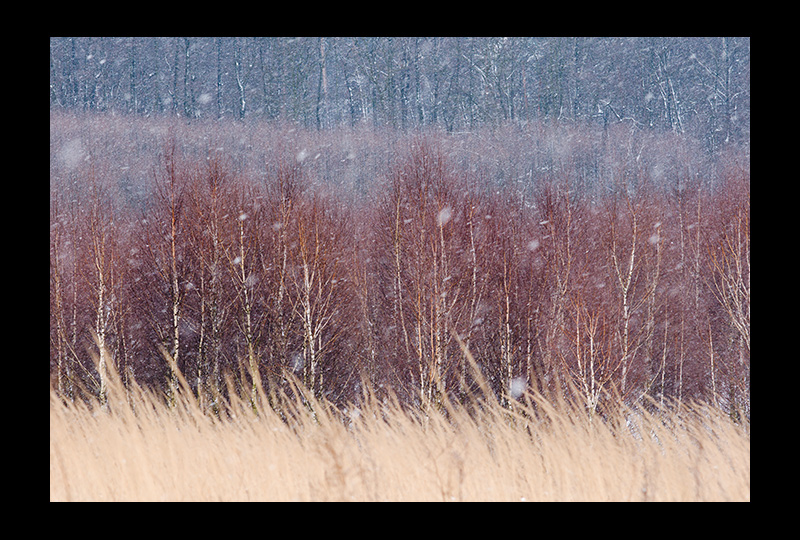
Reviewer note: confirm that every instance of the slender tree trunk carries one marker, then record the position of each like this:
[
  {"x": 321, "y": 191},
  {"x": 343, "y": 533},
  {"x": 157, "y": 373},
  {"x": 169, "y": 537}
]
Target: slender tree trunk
[{"x": 176, "y": 302}]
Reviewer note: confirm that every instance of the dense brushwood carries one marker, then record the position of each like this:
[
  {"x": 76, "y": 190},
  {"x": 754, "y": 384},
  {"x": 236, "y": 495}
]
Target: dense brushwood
[{"x": 368, "y": 256}]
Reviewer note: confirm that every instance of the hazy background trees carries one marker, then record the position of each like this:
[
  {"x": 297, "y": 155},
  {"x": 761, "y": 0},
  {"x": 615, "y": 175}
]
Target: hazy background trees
[{"x": 699, "y": 86}]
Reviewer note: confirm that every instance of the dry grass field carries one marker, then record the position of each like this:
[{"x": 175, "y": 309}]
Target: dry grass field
[{"x": 137, "y": 449}]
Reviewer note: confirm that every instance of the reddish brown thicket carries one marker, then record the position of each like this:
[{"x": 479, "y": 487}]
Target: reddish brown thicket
[
  {"x": 562, "y": 220},
  {"x": 416, "y": 249},
  {"x": 630, "y": 289},
  {"x": 320, "y": 293},
  {"x": 164, "y": 259},
  {"x": 727, "y": 276},
  {"x": 91, "y": 276},
  {"x": 208, "y": 301},
  {"x": 632, "y": 244},
  {"x": 65, "y": 292}
]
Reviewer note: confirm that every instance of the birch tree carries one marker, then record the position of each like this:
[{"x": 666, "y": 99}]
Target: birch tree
[
  {"x": 210, "y": 199},
  {"x": 164, "y": 246},
  {"x": 729, "y": 282},
  {"x": 592, "y": 362},
  {"x": 242, "y": 260},
  {"x": 282, "y": 191},
  {"x": 100, "y": 234},
  {"x": 634, "y": 253},
  {"x": 71, "y": 278},
  {"x": 559, "y": 218},
  {"x": 318, "y": 281}
]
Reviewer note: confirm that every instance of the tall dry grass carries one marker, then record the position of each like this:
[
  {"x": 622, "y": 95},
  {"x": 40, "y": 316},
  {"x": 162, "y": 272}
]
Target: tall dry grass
[{"x": 135, "y": 448}]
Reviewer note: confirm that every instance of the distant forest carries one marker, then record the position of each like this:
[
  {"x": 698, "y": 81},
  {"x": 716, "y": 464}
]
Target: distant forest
[{"x": 696, "y": 86}]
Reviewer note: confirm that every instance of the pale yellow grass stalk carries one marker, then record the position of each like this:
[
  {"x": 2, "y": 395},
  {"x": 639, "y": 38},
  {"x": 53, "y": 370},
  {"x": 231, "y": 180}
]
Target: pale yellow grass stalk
[{"x": 147, "y": 451}]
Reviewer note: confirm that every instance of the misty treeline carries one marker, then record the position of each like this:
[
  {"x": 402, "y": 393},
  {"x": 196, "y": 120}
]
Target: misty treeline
[
  {"x": 698, "y": 86},
  {"x": 607, "y": 264}
]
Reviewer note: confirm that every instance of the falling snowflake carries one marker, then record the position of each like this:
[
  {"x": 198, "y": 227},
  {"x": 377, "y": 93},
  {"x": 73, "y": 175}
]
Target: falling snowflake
[
  {"x": 517, "y": 387},
  {"x": 445, "y": 214}
]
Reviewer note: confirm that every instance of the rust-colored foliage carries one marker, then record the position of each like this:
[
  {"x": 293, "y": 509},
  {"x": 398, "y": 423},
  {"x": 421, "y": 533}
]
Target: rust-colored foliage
[{"x": 251, "y": 271}]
